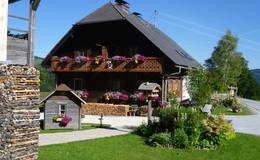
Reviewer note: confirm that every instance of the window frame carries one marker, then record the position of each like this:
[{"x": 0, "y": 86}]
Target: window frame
[
  {"x": 60, "y": 110},
  {"x": 74, "y": 84}
]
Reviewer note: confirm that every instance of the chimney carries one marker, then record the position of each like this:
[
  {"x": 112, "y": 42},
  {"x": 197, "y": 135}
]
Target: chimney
[{"x": 123, "y": 4}]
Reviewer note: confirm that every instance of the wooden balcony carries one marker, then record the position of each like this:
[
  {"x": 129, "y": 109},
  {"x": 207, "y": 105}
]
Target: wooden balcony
[{"x": 151, "y": 64}]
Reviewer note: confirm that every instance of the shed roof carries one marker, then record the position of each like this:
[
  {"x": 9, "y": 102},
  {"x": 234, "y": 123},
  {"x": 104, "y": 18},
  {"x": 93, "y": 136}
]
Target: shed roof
[
  {"x": 63, "y": 88},
  {"x": 147, "y": 86},
  {"x": 114, "y": 12}
]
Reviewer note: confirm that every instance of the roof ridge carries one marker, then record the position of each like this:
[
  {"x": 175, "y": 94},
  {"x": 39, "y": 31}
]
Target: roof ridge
[{"x": 117, "y": 9}]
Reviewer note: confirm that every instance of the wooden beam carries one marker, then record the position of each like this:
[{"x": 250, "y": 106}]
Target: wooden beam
[
  {"x": 18, "y": 17},
  {"x": 17, "y": 30},
  {"x": 3, "y": 29},
  {"x": 30, "y": 55}
]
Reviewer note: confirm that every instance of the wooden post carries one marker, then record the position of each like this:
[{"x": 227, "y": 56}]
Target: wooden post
[
  {"x": 3, "y": 29},
  {"x": 149, "y": 109},
  {"x": 30, "y": 55}
]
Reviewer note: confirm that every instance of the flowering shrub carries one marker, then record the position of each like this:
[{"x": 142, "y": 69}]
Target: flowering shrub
[
  {"x": 65, "y": 59},
  {"x": 118, "y": 58},
  {"x": 138, "y": 58},
  {"x": 99, "y": 59}
]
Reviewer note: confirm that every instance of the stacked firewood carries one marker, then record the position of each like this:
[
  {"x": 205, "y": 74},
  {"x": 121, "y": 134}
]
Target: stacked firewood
[
  {"x": 19, "y": 113},
  {"x": 105, "y": 109}
]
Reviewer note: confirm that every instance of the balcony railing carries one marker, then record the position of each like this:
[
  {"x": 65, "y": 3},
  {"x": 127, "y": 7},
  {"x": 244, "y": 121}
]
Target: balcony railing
[{"x": 151, "y": 64}]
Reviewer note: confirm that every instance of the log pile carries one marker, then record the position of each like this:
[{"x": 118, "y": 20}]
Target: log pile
[
  {"x": 105, "y": 109},
  {"x": 19, "y": 113}
]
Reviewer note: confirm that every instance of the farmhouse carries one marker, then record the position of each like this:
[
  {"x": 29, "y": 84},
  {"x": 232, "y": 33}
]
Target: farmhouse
[{"x": 106, "y": 56}]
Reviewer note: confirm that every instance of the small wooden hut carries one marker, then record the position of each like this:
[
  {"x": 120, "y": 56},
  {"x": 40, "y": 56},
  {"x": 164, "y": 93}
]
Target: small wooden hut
[{"x": 62, "y": 109}]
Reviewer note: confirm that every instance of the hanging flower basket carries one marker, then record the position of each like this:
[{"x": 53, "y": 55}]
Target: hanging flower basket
[
  {"x": 138, "y": 58},
  {"x": 57, "y": 118},
  {"x": 65, "y": 121},
  {"x": 65, "y": 59},
  {"x": 62, "y": 120}
]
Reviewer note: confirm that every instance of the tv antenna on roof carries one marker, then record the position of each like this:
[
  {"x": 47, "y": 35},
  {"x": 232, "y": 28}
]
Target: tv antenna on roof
[{"x": 155, "y": 18}]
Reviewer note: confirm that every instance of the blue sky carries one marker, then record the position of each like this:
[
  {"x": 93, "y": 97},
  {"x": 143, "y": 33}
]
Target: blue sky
[{"x": 195, "y": 25}]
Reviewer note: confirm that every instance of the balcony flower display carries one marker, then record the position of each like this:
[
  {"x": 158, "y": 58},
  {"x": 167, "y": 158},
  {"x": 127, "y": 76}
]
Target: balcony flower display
[
  {"x": 138, "y": 58},
  {"x": 82, "y": 59},
  {"x": 99, "y": 59},
  {"x": 65, "y": 59},
  {"x": 116, "y": 96},
  {"x": 118, "y": 58}
]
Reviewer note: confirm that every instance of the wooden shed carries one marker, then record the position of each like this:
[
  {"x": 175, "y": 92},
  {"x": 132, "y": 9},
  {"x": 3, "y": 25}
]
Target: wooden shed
[{"x": 62, "y": 109}]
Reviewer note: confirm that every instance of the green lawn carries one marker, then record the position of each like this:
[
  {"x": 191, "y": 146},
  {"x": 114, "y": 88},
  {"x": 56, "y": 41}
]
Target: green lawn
[
  {"x": 132, "y": 147},
  {"x": 44, "y": 94},
  {"x": 220, "y": 109},
  {"x": 84, "y": 126}
]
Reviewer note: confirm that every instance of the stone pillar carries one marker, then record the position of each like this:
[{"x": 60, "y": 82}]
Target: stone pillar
[
  {"x": 3, "y": 29},
  {"x": 19, "y": 113}
]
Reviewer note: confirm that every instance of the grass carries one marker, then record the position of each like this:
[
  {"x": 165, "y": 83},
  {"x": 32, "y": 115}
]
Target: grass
[
  {"x": 44, "y": 94},
  {"x": 84, "y": 126},
  {"x": 220, "y": 109},
  {"x": 132, "y": 147}
]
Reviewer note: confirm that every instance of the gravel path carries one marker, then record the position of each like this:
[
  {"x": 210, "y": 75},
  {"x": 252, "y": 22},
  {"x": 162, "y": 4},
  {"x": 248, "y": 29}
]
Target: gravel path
[
  {"x": 247, "y": 124},
  {"x": 58, "y": 138},
  {"x": 254, "y": 105}
]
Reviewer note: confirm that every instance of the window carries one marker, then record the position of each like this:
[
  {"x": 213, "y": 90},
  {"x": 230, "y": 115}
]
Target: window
[
  {"x": 62, "y": 109},
  {"x": 78, "y": 84}
]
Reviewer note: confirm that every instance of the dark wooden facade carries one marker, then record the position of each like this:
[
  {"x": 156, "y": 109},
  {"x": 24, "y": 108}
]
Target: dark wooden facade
[{"x": 111, "y": 31}]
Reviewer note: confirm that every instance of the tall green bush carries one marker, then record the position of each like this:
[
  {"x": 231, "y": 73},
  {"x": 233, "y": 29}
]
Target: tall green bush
[{"x": 199, "y": 86}]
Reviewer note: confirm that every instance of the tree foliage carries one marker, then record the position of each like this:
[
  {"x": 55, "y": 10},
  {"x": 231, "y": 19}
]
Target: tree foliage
[
  {"x": 247, "y": 85},
  {"x": 47, "y": 78},
  {"x": 226, "y": 64},
  {"x": 199, "y": 85}
]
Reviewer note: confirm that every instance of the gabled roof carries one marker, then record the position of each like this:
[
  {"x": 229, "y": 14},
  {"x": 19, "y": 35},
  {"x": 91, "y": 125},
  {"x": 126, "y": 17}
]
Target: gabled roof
[
  {"x": 63, "y": 88},
  {"x": 114, "y": 12}
]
